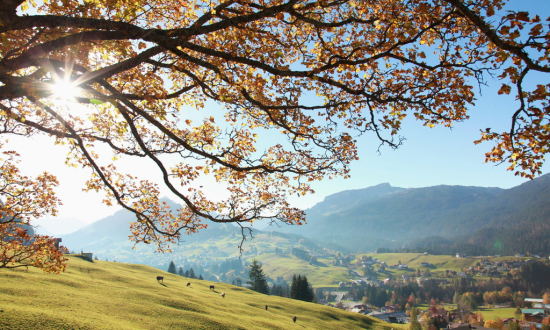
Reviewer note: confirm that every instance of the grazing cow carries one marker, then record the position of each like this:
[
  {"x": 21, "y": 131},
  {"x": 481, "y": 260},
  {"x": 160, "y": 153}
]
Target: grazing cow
[
  {"x": 223, "y": 294},
  {"x": 211, "y": 287},
  {"x": 294, "y": 319},
  {"x": 188, "y": 284},
  {"x": 160, "y": 278},
  {"x": 265, "y": 307}
]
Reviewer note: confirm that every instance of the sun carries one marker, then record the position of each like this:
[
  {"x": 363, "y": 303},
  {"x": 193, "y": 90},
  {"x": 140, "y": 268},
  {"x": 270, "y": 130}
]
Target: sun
[{"x": 64, "y": 89}]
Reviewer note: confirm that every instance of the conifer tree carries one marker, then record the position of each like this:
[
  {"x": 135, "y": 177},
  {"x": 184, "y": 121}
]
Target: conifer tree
[
  {"x": 257, "y": 278},
  {"x": 294, "y": 287},
  {"x": 300, "y": 289},
  {"x": 180, "y": 272},
  {"x": 414, "y": 324},
  {"x": 172, "y": 267}
]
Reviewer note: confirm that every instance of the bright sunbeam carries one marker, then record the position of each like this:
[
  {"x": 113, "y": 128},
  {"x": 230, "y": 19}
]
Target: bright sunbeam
[{"x": 64, "y": 89}]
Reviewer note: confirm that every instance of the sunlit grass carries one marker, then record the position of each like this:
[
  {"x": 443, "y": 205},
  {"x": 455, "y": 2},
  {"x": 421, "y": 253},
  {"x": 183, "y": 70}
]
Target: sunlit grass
[
  {"x": 288, "y": 265},
  {"x": 108, "y": 295}
]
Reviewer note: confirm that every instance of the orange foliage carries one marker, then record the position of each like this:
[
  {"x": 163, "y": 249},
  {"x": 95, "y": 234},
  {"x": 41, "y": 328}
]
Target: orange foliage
[
  {"x": 19, "y": 249},
  {"x": 137, "y": 68},
  {"x": 495, "y": 324},
  {"x": 26, "y": 198},
  {"x": 476, "y": 319}
]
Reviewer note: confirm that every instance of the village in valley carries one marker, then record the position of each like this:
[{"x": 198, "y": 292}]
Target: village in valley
[
  {"x": 433, "y": 291},
  {"x": 505, "y": 307}
]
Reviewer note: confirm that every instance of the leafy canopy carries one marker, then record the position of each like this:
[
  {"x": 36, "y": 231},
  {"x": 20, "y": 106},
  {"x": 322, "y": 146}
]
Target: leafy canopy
[
  {"x": 26, "y": 198},
  {"x": 137, "y": 69}
]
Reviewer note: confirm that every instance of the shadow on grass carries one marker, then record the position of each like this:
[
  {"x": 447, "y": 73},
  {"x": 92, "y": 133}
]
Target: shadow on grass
[{"x": 164, "y": 285}]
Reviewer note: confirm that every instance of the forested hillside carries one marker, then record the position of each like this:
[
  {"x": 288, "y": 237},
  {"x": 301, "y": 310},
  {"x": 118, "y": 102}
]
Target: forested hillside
[{"x": 480, "y": 220}]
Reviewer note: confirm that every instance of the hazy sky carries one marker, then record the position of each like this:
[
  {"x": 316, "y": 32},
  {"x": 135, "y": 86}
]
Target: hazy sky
[{"x": 428, "y": 157}]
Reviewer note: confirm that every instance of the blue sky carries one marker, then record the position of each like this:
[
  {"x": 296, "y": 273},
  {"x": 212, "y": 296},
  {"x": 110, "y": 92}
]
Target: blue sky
[{"x": 428, "y": 157}]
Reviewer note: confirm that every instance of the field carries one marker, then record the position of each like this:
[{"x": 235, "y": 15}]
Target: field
[
  {"x": 413, "y": 260},
  {"x": 286, "y": 265},
  {"x": 492, "y": 313},
  {"x": 488, "y": 313},
  {"x": 109, "y": 295},
  {"x": 440, "y": 262}
]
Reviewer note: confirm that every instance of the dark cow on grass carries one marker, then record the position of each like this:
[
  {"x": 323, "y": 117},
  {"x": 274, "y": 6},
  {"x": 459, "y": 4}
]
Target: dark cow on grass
[
  {"x": 211, "y": 287},
  {"x": 294, "y": 319},
  {"x": 160, "y": 279}
]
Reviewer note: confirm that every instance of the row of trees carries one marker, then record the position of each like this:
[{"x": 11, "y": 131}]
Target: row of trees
[
  {"x": 300, "y": 289},
  {"x": 190, "y": 273},
  {"x": 304, "y": 255}
]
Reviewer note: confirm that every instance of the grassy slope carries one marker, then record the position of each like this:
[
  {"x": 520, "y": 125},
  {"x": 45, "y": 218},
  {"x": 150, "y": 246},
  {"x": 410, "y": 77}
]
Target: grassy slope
[
  {"x": 287, "y": 265},
  {"x": 413, "y": 260},
  {"x": 108, "y": 295}
]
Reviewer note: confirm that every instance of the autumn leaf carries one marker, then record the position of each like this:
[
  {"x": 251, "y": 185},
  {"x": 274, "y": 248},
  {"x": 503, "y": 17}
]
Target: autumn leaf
[{"x": 505, "y": 89}]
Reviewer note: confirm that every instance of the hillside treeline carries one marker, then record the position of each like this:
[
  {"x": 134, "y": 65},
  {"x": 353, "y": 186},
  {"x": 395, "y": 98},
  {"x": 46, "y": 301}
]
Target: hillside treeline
[{"x": 528, "y": 238}]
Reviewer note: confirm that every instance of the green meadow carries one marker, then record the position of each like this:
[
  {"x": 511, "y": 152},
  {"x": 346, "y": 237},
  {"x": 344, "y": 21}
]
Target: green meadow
[
  {"x": 488, "y": 313},
  {"x": 440, "y": 262},
  {"x": 414, "y": 260},
  {"x": 493, "y": 313},
  {"x": 110, "y": 295},
  {"x": 286, "y": 265}
]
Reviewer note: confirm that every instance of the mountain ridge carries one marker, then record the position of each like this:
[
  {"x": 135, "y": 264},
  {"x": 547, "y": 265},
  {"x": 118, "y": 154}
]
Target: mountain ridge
[{"x": 447, "y": 211}]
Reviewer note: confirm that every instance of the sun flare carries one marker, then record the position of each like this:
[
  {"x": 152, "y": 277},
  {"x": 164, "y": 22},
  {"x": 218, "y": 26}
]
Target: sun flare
[{"x": 65, "y": 89}]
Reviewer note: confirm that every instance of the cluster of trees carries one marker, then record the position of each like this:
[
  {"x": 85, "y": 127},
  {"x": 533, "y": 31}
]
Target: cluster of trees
[
  {"x": 300, "y": 289},
  {"x": 282, "y": 289},
  {"x": 375, "y": 296},
  {"x": 190, "y": 273},
  {"x": 372, "y": 295},
  {"x": 304, "y": 255},
  {"x": 533, "y": 277}
]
